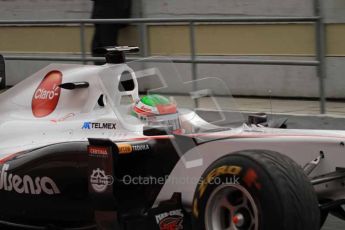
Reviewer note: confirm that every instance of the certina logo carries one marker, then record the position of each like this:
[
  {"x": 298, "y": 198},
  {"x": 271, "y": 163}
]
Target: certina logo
[
  {"x": 47, "y": 94},
  {"x": 26, "y": 184},
  {"x": 98, "y": 150},
  {"x": 92, "y": 125},
  {"x": 99, "y": 181},
  {"x": 172, "y": 220}
]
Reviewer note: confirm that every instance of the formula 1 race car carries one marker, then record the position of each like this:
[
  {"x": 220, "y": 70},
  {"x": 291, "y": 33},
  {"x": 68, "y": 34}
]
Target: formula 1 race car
[{"x": 110, "y": 147}]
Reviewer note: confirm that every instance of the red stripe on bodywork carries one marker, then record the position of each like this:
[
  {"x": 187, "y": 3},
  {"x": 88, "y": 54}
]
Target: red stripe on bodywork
[
  {"x": 238, "y": 136},
  {"x": 6, "y": 158}
]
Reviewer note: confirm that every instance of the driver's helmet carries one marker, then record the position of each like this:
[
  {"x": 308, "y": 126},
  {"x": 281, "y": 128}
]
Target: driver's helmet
[{"x": 157, "y": 110}]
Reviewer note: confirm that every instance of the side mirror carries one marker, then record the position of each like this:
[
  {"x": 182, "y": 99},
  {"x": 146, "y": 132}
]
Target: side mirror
[
  {"x": 256, "y": 119},
  {"x": 261, "y": 119}
]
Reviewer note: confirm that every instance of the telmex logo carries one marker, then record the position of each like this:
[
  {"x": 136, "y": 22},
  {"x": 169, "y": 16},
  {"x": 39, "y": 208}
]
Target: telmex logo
[
  {"x": 47, "y": 94},
  {"x": 92, "y": 125},
  {"x": 26, "y": 184}
]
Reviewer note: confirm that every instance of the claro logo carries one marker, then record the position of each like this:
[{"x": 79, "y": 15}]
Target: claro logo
[
  {"x": 47, "y": 94},
  {"x": 26, "y": 184}
]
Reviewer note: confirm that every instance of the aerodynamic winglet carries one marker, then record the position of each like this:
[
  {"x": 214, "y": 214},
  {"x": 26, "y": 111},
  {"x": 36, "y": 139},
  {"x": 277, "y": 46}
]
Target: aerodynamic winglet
[{"x": 74, "y": 85}]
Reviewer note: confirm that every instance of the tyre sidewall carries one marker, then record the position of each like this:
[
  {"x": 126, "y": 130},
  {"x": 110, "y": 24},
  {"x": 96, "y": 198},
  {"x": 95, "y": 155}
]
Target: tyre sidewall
[{"x": 248, "y": 174}]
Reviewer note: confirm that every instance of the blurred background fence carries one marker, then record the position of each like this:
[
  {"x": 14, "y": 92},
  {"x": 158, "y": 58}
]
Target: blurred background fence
[{"x": 295, "y": 49}]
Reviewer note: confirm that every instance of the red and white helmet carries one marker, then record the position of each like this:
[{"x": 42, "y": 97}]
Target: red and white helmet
[{"x": 157, "y": 110}]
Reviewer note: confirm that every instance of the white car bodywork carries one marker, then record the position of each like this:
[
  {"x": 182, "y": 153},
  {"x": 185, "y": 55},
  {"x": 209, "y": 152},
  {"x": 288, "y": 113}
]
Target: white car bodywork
[
  {"x": 21, "y": 130},
  {"x": 300, "y": 145}
]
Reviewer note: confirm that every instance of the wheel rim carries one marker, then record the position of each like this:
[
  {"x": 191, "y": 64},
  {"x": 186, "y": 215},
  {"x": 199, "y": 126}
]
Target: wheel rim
[{"x": 231, "y": 207}]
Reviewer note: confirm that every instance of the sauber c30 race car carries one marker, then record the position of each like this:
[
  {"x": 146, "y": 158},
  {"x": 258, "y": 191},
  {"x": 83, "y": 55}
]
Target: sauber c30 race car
[{"x": 110, "y": 147}]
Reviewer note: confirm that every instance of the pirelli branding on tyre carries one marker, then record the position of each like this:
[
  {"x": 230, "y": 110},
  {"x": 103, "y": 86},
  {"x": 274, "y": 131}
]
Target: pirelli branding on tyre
[
  {"x": 269, "y": 185},
  {"x": 223, "y": 170},
  {"x": 210, "y": 179}
]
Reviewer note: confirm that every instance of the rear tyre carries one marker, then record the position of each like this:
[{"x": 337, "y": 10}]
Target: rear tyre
[{"x": 255, "y": 190}]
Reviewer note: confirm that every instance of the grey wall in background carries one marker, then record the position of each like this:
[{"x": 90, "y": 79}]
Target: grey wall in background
[
  {"x": 57, "y": 9},
  {"x": 281, "y": 81},
  {"x": 44, "y": 9},
  {"x": 334, "y": 10},
  {"x": 168, "y": 8},
  {"x": 242, "y": 79},
  {"x": 52, "y": 9}
]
